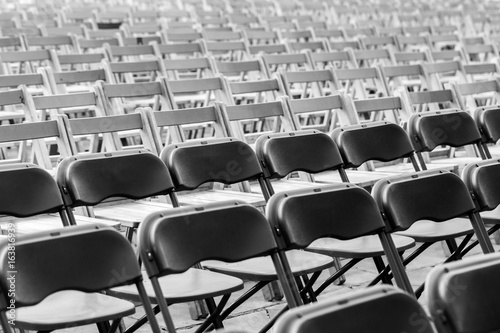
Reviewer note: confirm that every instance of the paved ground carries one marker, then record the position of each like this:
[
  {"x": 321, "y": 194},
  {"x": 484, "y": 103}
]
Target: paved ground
[{"x": 256, "y": 312}]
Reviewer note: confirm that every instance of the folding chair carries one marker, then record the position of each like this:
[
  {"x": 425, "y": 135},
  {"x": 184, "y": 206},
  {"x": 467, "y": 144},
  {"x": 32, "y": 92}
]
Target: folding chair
[
  {"x": 408, "y": 58},
  {"x": 123, "y": 98},
  {"x": 112, "y": 178},
  {"x": 481, "y": 53},
  {"x": 332, "y": 108},
  {"x": 371, "y": 58},
  {"x": 344, "y": 45},
  {"x": 134, "y": 72},
  {"x": 486, "y": 120},
  {"x": 447, "y": 55},
  {"x": 448, "y": 40},
  {"x": 251, "y": 92},
  {"x": 312, "y": 46},
  {"x": 178, "y": 50},
  {"x": 376, "y": 42},
  {"x": 473, "y": 95},
  {"x": 290, "y": 61},
  {"x": 78, "y": 61},
  {"x": 191, "y": 68},
  {"x": 379, "y": 309},
  {"x": 307, "y": 84},
  {"x": 57, "y": 288},
  {"x": 18, "y": 62},
  {"x": 249, "y": 121},
  {"x": 182, "y": 125},
  {"x": 411, "y": 77},
  {"x": 237, "y": 71},
  {"x": 61, "y": 44},
  {"x": 91, "y": 45},
  {"x": 440, "y": 74},
  {"x": 360, "y": 150},
  {"x": 129, "y": 52},
  {"x": 225, "y": 45},
  {"x": 453, "y": 128},
  {"x": 413, "y": 43},
  {"x": 197, "y": 162},
  {"x": 72, "y": 81},
  {"x": 432, "y": 100},
  {"x": 481, "y": 71},
  {"x": 438, "y": 215},
  {"x": 322, "y": 220},
  {"x": 457, "y": 288},
  {"x": 334, "y": 59},
  {"x": 360, "y": 83},
  {"x": 190, "y": 93},
  {"x": 165, "y": 255}
]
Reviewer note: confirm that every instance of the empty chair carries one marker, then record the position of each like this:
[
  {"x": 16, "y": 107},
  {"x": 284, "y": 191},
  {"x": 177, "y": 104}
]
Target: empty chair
[
  {"x": 360, "y": 83},
  {"x": 323, "y": 220},
  {"x": 134, "y": 175},
  {"x": 134, "y": 71},
  {"x": 335, "y": 59},
  {"x": 477, "y": 94},
  {"x": 363, "y": 145},
  {"x": 328, "y": 112},
  {"x": 163, "y": 239},
  {"x": 454, "y": 128},
  {"x": 377, "y": 309},
  {"x": 290, "y": 61},
  {"x": 440, "y": 74},
  {"x": 122, "y": 98},
  {"x": 220, "y": 160},
  {"x": 444, "y": 211},
  {"x": 479, "y": 178},
  {"x": 57, "y": 288},
  {"x": 432, "y": 100},
  {"x": 191, "y": 68},
  {"x": 411, "y": 77},
  {"x": 249, "y": 121},
  {"x": 462, "y": 297},
  {"x": 486, "y": 119}
]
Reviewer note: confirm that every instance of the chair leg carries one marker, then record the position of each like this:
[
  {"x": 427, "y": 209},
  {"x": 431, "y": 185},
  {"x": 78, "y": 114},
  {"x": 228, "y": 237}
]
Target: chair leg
[
  {"x": 335, "y": 276},
  {"x": 309, "y": 291},
  {"x": 114, "y": 325},
  {"x": 143, "y": 320},
  {"x": 492, "y": 230},
  {"x": 103, "y": 326},
  {"x": 379, "y": 263},
  {"x": 214, "y": 320},
  {"x": 337, "y": 265},
  {"x": 249, "y": 293}
]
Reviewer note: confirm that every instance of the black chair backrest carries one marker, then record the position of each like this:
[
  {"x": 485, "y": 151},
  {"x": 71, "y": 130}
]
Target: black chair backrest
[
  {"x": 310, "y": 151},
  {"x": 224, "y": 160},
  {"x": 28, "y": 190},
  {"x": 431, "y": 129},
  {"x": 304, "y": 215},
  {"x": 378, "y": 309},
  {"x": 435, "y": 195},
  {"x": 381, "y": 141},
  {"x": 229, "y": 231},
  {"x": 87, "y": 180},
  {"x": 482, "y": 179},
  {"x": 462, "y": 296},
  {"x": 85, "y": 258},
  {"x": 488, "y": 120}
]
